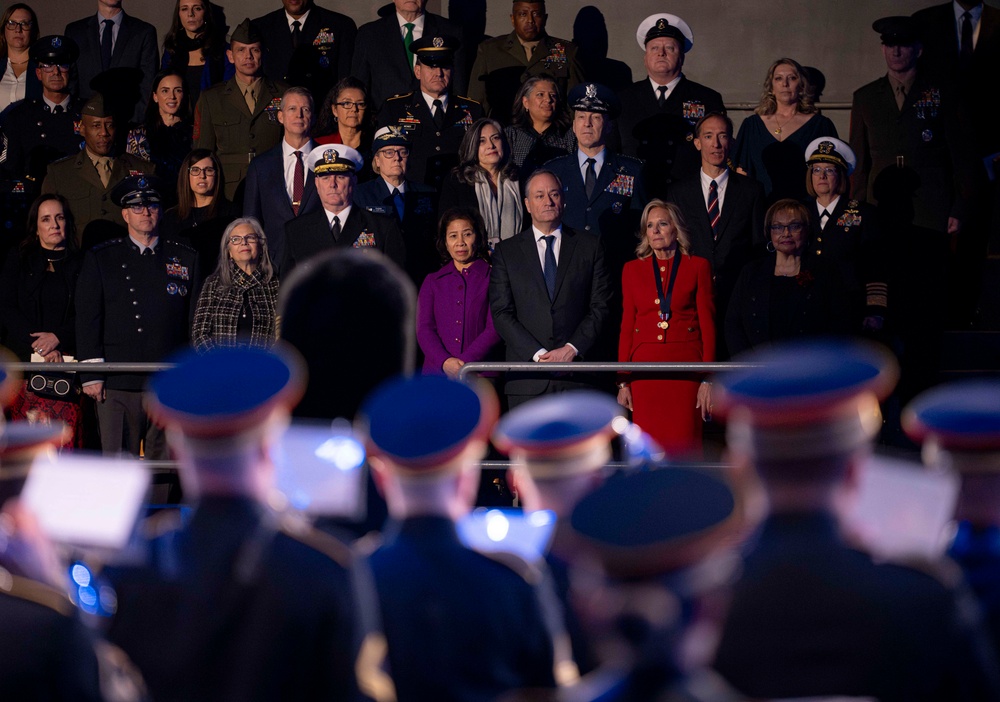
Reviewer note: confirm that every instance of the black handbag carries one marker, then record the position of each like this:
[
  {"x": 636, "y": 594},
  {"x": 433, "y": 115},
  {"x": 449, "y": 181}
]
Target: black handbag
[{"x": 55, "y": 386}]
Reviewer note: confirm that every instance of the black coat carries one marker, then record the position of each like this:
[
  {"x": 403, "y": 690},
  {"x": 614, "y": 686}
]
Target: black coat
[
  {"x": 310, "y": 234},
  {"x": 35, "y": 138},
  {"x": 811, "y": 616},
  {"x": 21, "y": 300},
  {"x": 324, "y": 53},
  {"x": 131, "y": 307},
  {"x": 661, "y": 137}
]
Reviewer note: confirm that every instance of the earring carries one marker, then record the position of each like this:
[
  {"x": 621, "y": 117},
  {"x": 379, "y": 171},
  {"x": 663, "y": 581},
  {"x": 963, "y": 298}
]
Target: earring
[{"x": 770, "y": 247}]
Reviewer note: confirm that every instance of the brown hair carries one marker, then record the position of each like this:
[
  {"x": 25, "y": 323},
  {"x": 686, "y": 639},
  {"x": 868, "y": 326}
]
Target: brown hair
[
  {"x": 185, "y": 198},
  {"x": 32, "y": 33},
  {"x": 842, "y": 179}
]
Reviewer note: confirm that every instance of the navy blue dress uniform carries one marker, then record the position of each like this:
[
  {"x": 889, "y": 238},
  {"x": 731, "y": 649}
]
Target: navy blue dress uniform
[
  {"x": 660, "y": 538},
  {"x": 460, "y": 625},
  {"x": 959, "y": 426},
  {"x": 434, "y": 150},
  {"x": 76, "y": 179},
  {"x": 320, "y": 56},
  {"x": 237, "y": 602},
  {"x": 309, "y": 234},
  {"x": 552, "y": 439},
  {"x": 46, "y": 652},
  {"x": 850, "y": 242},
  {"x": 811, "y": 615},
  {"x": 223, "y": 123},
  {"x": 417, "y": 221},
  {"x": 662, "y": 136}
]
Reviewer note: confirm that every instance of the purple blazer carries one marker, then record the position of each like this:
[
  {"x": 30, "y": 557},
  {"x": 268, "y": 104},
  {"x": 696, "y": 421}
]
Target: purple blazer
[{"x": 453, "y": 316}]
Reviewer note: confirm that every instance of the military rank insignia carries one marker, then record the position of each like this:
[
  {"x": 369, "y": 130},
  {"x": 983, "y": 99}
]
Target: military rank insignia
[
  {"x": 928, "y": 104},
  {"x": 365, "y": 240},
  {"x": 851, "y": 216},
  {"x": 693, "y": 111},
  {"x": 621, "y": 185},
  {"x": 177, "y": 270},
  {"x": 557, "y": 57},
  {"x": 409, "y": 123},
  {"x": 273, "y": 108}
]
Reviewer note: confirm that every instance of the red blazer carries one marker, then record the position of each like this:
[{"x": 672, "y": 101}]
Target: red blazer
[{"x": 692, "y": 308}]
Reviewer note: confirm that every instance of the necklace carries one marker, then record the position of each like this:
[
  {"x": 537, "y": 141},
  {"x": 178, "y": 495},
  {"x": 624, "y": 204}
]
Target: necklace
[{"x": 777, "y": 130}]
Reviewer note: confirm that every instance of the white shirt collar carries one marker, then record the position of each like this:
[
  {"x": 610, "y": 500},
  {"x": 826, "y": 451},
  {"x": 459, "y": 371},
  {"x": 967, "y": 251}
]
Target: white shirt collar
[
  {"x": 64, "y": 103},
  {"x": 430, "y": 101},
  {"x": 401, "y": 187},
  {"x": 143, "y": 247},
  {"x": 557, "y": 233},
  {"x": 343, "y": 214},
  {"x": 288, "y": 151},
  {"x": 670, "y": 86},
  {"x": 976, "y": 12},
  {"x": 301, "y": 20},
  {"x": 720, "y": 181},
  {"x": 418, "y": 23},
  {"x": 829, "y": 208},
  {"x": 117, "y": 19}
]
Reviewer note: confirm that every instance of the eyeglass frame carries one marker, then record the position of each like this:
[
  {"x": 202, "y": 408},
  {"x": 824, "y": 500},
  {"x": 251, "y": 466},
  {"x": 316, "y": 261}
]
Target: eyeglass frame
[
  {"x": 23, "y": 25},
  {"x": 348, "y": 105},
  {"x": 791, "y": 227},
  {"x": 823, "y": 170},
  {"x": 236, "y": 239},
  {"x": 148, "y": 207},
  {"x": 53, "y": 67},
  {"x": 400, "y": 152},
  {"x": 209, "y": 171}
]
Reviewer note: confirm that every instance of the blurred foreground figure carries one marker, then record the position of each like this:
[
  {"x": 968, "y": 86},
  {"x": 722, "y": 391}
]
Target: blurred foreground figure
[
  {"x": 460, "y": 625},
  {"x": 812, "y": 615},
  {"x": 238, "y": 603},
  {"x": 959, "y": 425}
]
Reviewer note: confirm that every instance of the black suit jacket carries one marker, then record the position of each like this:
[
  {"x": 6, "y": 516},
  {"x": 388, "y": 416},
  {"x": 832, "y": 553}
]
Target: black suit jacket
[
  {"x": 310, "y": 234},
  {"x": 741, "y": 230},
  {"x": 135, "y": 48},
  {"x": 320, "y": 60},
  {"x": 526, "y": 318},
  {"x": 659, "y": 136},
  {"x": 266, "y": 198},
  {"x": 380, "y": 57}
]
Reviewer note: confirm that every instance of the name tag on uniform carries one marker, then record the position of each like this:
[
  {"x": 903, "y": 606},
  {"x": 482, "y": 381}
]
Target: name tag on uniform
[{"x": 409, "y": 123}]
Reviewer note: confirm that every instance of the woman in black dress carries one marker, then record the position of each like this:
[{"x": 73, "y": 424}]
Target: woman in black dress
[
  {"x": 164, "y": 138},
  {"x": 195, "y": 47}
]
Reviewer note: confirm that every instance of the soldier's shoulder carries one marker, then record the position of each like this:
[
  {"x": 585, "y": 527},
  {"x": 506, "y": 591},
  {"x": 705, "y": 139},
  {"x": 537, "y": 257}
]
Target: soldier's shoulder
[
  {"x": 180, "y": 246},
  {"x": 37, "y": 593},
  {"x": 109, "y": 246},
  {"x": 306, "y": 535}
]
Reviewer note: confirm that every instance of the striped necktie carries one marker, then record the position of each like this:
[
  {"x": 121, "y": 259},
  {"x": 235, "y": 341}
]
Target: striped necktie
[{"x": 713, "y": 208}]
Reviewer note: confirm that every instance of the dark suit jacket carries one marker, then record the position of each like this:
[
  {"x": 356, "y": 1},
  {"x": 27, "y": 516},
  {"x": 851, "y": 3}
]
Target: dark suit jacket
[
  {"x": 319, "y": 61},
  {"x": 660, "y": 136},
  {"x": 941, "y": 58},
  {"x": 135, "y": 47},
  {"x": 266, "y": 198},
  {"x": 741, "y": 230},
  {"x": 380, "y": 58},
  {"x": 522, "y": 313},
  {"x": 418, "y": 226},
  {"x": 310, "y": 234}
]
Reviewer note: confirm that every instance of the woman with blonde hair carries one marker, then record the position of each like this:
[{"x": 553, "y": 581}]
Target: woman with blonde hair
[
  {"x": 668, "y": 314},
  {"x": 772, "y": 142}
]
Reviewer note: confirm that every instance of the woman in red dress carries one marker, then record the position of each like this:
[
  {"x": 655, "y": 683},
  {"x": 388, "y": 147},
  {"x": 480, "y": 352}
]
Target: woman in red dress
[{"x": 668, "y": 315}]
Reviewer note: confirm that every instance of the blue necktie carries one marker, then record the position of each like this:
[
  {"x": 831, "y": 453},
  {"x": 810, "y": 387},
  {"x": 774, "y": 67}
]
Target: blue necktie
[
  {"x": 549, "y": 270},
  {"x": 397, "y": 198}
]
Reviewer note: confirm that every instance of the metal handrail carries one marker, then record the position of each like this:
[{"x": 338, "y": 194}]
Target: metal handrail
[
  {"x": 105, "y": 367},
  {"x": 603, "y": 367}
]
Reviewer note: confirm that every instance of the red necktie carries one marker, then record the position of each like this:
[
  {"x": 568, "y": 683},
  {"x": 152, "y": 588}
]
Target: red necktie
[{"x": 298, "y": 183}]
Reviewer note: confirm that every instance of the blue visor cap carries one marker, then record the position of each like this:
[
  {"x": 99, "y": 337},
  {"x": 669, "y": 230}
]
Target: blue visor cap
[
  {"x": 655, "y": 522},
  {"x": 421, "y": 423},
  {"x": 225, "y": 391},
  {"x": 552, "y": 424},
  {"x": 960, "y": 416}
]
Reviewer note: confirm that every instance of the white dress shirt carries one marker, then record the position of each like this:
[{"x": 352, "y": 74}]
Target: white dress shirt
[
  {"x": 429, "y": 99},
  {"x": 670, "y": 86},
  {"x": 418, "y": 26},
  {"x": 720, "y": 184},
  {"x": 301, "y": 20},
  {"x": 342, "y": 215},
  {"x": 829, "y": 208},
  {"x": 288, "y": 164},
  {"x": 117, "y": 19}
]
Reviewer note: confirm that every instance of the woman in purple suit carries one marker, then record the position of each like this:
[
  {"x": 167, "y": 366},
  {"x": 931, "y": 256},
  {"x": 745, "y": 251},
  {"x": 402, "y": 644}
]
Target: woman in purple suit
[{"x": 454, "y": 323}]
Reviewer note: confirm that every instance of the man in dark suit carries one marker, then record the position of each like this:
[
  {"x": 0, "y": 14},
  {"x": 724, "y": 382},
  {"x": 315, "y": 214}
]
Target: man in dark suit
[
  {"x": 413, "y": 205},
  {"x": 383, "y": 56},
  {"x": 730, "y": 233},
  {"x": 307, "y": 45},
  {"x": 813, "y": 615},
  {"x": 434, "y": 117},
  {"x": 134, "y": 302},
  {"x": 504, "y": 63},
  {"x": 112, "y": 39},
  {"x": 549, "y": 291},
  {"x": 88, "y": 178},
  {"x": 659, "y": 113},
  {"x": 339, "y": 223},
  {"x": 460, "y": 625},
  {"x": 239, "y": 119},
  {"x": 272, "y": 205}
]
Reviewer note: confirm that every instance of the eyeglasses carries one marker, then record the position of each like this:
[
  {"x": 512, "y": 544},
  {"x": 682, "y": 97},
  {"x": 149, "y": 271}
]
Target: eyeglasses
[
  {"x": 14, "y": 25},
  {"x": 819, "y": 170},
  {"x": 141, "y": 209},
  {"x": 52, "y": 67},
  {"x": 394, "y": 153},
  {"x": 793, "y": 227},
  {"x": 348, "y": 105},
  {"x": 236, "y": 240},
  {"x": 196, "y": 171}
]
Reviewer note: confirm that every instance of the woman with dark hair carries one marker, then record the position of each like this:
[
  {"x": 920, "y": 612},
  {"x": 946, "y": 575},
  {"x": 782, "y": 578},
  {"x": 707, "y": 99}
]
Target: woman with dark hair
[
  {"x": 37, "y": 291},
  {"x": 772, "y": 142},
  {"x": 237, "y": 303},
  {"x": 346, "y": 118},
  {"x": 845, "y": 233},
  {"x": 18, "y": 31},
  {"x": 541, "y": 128},
  {"x": 784, "y": 295},
  {"x": 668, "y": 314},
  {"x": 195, "y": 47},
  {"x": 164, "y": 138},
  {"x": 202, "y": 212},
  {"x": 457, "y": 297},
  {"x": 485, "y": 180}
]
